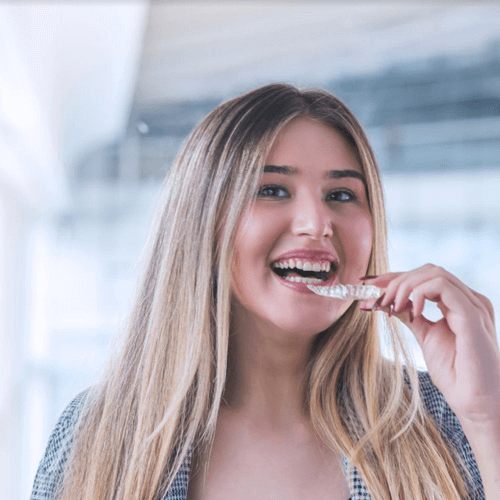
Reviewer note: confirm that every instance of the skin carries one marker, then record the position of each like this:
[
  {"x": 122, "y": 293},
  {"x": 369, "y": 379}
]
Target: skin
[
  {"x": 461, "y": 352},
  {"x": 264, "y": 442},
  {"x": 273, "y": 324},
  {"x": 297, "y": 211}
]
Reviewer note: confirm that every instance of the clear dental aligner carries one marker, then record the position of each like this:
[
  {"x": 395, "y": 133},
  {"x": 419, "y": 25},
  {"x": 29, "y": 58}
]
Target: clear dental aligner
[{"x": 347, "y": 292}]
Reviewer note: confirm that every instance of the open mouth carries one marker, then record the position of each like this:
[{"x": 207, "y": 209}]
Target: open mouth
[{"x": 304, "y": 271}]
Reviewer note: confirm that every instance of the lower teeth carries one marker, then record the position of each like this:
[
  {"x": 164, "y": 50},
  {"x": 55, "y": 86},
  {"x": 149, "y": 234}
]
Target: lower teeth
[{"x": 299, "y": 279}]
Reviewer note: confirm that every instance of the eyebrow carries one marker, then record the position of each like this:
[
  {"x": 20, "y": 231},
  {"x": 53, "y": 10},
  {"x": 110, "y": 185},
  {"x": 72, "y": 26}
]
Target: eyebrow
[
  {"x": 331, "y": 174},
  {"x": 279, "y": 169}
]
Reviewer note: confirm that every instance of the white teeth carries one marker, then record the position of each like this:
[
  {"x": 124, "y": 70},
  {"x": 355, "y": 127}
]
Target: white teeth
[
  {"x": 304, "y": 265},
  {"x": 299, "y": 279}
]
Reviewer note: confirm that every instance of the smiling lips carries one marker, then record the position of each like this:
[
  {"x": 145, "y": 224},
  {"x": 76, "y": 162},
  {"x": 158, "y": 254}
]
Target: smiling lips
[{"x": 305, "y": 266}]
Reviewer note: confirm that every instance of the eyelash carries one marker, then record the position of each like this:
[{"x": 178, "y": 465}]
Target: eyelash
[
  {"x": 273, "y": 187},
  {"x": 260, "y": 193},
  {"x": 351, "y": 195}
]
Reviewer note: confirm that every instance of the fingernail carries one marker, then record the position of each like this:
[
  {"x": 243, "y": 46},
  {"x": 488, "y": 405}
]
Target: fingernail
[
  {"x": 391, "y": 309},
  {"x": 379, "y": 301},
  {"x": 368, "y": 277},
  {"x": 411, "y": 316},
  {"x": 365, "y": 309}
]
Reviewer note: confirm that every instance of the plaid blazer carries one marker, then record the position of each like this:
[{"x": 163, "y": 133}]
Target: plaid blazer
[{"x": 50, "y": 471}]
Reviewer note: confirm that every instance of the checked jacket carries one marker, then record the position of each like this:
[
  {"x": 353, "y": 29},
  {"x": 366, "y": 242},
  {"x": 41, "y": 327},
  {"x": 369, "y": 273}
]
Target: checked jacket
[{"x": 51, "y": 468}]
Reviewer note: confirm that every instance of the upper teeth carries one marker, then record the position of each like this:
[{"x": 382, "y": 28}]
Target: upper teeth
[{"x": 305, "y": 265}]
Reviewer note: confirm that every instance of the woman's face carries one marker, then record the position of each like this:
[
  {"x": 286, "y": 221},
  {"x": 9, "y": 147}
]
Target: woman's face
[{"x": 310, "y": 223}]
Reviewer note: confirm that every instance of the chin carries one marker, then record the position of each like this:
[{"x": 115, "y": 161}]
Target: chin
[{"x": 306, "y": 327}]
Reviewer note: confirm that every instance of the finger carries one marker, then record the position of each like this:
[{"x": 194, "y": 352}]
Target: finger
[
  {"x": 419, "y": 325},
  {"x": 399, "y": 286},
  {"x": 487, "y": 306},
  {"x": 439, "y": 271},
  {"x": 391, "y": 282},
  {"x": 373, "y": 304},
  {"x": 381, "y": 280},
  {"x": 399, "y": 289},
  {"x": 460, "y": 313}
]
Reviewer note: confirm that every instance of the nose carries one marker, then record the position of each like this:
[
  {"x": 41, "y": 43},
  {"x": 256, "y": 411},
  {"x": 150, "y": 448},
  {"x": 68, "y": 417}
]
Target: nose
[{"x": 312, "y": 218}]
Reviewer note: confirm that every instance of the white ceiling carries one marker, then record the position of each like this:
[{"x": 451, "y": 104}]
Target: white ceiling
[
  {"x": 67, "y": 77},
  {"x": 208, "y": 49}
]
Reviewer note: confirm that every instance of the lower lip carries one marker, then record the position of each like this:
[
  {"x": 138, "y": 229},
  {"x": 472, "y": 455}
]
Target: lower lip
[{"x": 303, "y": 287}]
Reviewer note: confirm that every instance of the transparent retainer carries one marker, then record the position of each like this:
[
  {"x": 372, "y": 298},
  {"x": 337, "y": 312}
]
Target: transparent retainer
[{"x": 347, "y": 292}]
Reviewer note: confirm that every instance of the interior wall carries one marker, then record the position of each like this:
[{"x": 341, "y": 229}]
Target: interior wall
[{"x": 67, "y": 75}]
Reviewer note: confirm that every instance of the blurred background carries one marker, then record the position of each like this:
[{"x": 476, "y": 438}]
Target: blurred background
[{"x": 96, "y": 99}]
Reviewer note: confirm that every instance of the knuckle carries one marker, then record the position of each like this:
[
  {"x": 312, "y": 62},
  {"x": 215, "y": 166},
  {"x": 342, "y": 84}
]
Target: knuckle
[
  {"x": 440, "y": 270},
  {"x": 441, "y": 280},
  {"x": 434, "y": 268},
  {"x": 404, "y": 289},
  {"x": 488, "y": 304}
]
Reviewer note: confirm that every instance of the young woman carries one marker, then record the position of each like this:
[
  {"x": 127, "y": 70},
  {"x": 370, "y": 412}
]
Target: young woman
[{"x": 236, "y": 381}]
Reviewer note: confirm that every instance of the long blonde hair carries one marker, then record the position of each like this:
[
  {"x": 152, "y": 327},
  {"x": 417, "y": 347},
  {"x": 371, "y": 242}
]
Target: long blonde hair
[{"x": 160, "y": 396}]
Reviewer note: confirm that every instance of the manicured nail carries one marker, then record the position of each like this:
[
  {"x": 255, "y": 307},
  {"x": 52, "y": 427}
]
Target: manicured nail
[
  {"x": 367, "y": 277},
  {"x": 365, "y": 309},
  {"x": 411, "y": 316},
  {"x": 391, "y": 309},
  {"x": 379, "y": 301}
]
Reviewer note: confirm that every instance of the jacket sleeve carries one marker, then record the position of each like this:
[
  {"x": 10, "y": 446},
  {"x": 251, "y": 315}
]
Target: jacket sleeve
[
  {"x": 451, "y": 430},
  {"x": 50, "y": 471}
]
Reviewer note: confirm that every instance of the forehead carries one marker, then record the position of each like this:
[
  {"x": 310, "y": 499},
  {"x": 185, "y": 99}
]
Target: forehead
[{"x": 305, "y": 142}]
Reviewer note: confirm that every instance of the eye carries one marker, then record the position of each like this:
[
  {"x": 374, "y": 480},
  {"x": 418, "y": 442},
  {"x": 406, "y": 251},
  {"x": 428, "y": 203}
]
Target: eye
[
  {"x": 272, "y": 191},
  {"x": 341, "y": 195}
]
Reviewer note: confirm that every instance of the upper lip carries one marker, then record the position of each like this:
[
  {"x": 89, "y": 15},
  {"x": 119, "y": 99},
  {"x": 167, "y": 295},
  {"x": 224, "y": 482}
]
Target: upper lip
[{"x": 308, "y": 254}]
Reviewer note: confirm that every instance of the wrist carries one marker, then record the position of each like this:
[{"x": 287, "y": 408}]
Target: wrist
[{"x": 484, "y": 439}]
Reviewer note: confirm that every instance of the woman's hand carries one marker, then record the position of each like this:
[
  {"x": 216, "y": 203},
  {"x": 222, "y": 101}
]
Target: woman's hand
[{"x": 461, "y": 349}]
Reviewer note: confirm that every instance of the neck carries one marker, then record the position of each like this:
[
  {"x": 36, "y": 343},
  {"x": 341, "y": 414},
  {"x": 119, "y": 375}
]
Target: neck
[{"x": 266, "y": 375}]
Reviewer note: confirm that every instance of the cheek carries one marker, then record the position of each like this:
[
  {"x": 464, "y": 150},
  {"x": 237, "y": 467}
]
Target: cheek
[
  {"x": 360, "y": 240},
  {"x": 241, "y": 278},
  {"x": 249, "y": 249},
  {"x": 365, "y": 235},
  {"x": 255, "y": 236}
]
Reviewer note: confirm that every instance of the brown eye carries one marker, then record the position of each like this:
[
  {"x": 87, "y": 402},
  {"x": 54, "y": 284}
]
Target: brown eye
[
  {"x": 271, "y": 191},
  {"x": 341, "y": 195}
]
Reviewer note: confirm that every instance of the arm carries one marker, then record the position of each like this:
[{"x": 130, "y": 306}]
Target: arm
[
  {"x": 485, "y": 443},
  {"x": 461, "y": 352}
]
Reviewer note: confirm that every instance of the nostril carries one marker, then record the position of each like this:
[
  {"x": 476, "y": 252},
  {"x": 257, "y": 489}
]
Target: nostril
[{"x": 328, "y": 230}]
